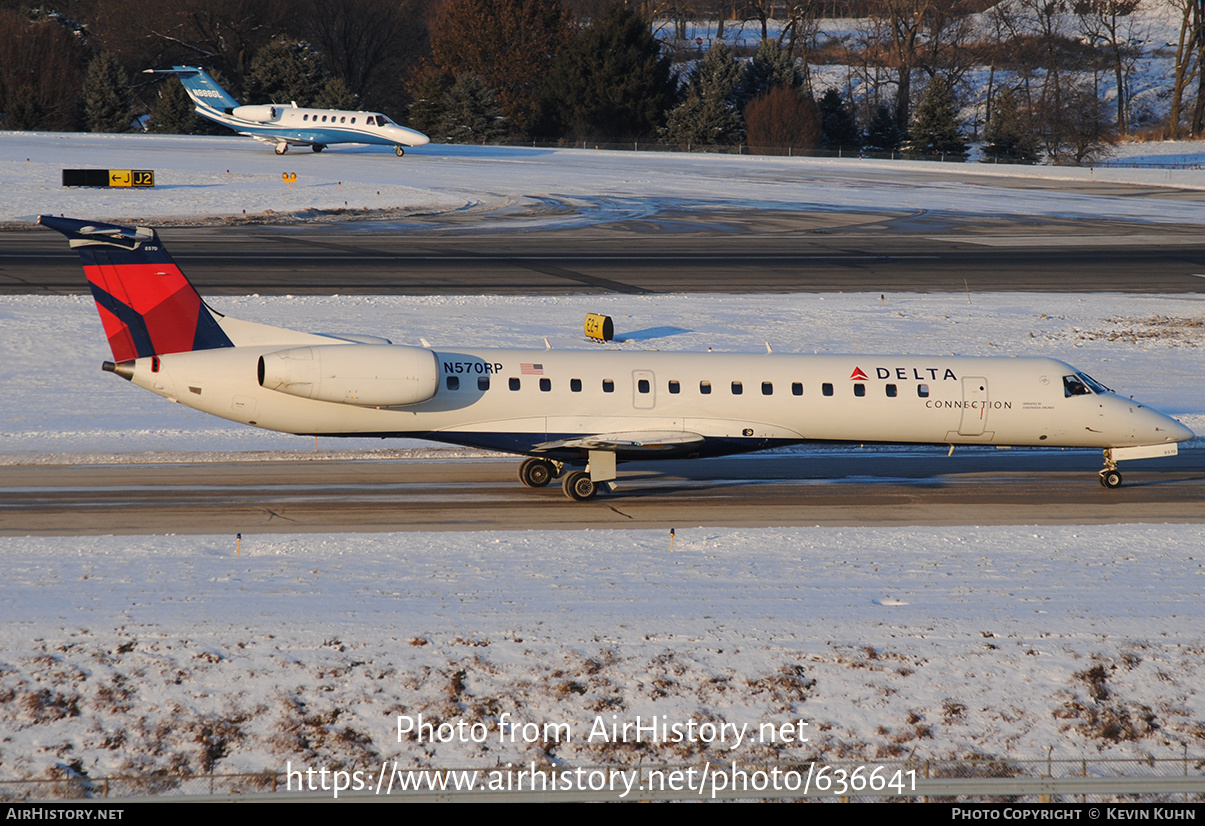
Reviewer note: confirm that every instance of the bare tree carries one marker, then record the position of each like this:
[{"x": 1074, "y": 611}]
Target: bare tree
[
  {"x": 1113, "y": 24},
  {"x": 1190, "y": 48}
]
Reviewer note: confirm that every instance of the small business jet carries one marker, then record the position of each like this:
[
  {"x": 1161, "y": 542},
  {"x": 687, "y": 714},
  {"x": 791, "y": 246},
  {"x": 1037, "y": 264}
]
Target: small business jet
[
  {"x": 285, "y": 126},
  {"x": 580, "y": 413}
]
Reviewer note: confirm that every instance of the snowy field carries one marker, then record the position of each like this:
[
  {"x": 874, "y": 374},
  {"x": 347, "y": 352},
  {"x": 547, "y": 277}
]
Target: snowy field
[
  {"x": 202, "y": 178},
  {"x": 132, "y": 654}
]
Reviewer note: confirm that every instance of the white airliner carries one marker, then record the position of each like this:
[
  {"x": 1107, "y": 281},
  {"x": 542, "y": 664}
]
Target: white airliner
[
  {"x": 585, "y": 410},
  {"x": 285, "y": 126}
]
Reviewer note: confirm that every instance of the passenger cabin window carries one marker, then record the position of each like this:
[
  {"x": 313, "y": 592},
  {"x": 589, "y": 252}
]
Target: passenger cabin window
[
  {"x": 826, "y": 388},
  {"x": 642, "y": 386},
  {"x": 922, "y": 390},
  {"x": 675, "y": 388},
  {"x": 575, "y": 385},
  {"x": 514, "y": 384},
  {"x": 343, "y": 120},
  {"x": 891, "y": 391},
  {"x": 737, "y": 388},
  {"x": 859, "y": 390},
  {"x": 483, "y": 383},
  {"x": 767, "y": 388},
  {"x": 705, "y": 388},
  {"x": 545, "y": 385},
  {"x": 1073, "y": 386},
  {"x": 453, "y": 382},
  {"x": 797, "y": 388},
  {"x": 305, "y": 117},
  {"x": 608, "y": 386}
]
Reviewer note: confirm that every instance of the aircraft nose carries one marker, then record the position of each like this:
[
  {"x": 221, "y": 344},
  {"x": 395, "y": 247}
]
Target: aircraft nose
[
  {"x": 409, "y": 137},
  {"x": 1165, "y": 428}
]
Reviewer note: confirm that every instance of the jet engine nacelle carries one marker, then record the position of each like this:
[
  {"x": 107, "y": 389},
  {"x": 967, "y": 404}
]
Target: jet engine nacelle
[
  {"x": 262, "y": 114},
  {"x": 369, "y": 375}
]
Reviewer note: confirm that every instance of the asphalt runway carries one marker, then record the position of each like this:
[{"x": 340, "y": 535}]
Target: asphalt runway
[
  {"x": 717, "y": 251},
  {"x": 853, "y": 487}
]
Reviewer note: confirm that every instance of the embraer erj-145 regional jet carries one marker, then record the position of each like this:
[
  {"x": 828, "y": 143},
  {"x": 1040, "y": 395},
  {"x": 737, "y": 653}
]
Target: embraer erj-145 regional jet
[
  {"x": 285, "y": 126},
  {"x": 585, "y": 410}
]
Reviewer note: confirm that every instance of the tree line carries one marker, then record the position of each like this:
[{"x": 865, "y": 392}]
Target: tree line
[{"x": 482, "y": 71}]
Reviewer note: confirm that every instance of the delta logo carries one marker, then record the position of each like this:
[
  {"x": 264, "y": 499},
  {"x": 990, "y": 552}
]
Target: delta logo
[{"x": 901, "y": 373}]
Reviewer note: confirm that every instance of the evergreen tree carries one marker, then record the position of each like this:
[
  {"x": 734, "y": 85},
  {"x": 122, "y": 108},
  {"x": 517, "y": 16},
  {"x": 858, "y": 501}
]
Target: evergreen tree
[
  {"x": 772, "y": 66},
  {"x": 471, "y": 113},
  {"x": 883, "y": 134},
  {"x": 172, "y": 112},
  {"x": 287, "y": 70},
  {"x": 709, "y": 115},
  {"x": 22, "y": 112},
  {"x": 934, "y": 129},
  {"x": 106, "y": 96},
  {"x": 1010, "y": 134},
  {"x": 840, "y": 130},
  {"x": 430, "y": 90},
  {"x": 610, "y": 82},
  {"x": 336, "y": 94}
]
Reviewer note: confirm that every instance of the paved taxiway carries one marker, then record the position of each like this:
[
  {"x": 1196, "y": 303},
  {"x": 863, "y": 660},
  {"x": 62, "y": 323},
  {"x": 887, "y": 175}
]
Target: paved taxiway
[
  {"x": 715, "y": 251},
  {"x": 853, "y": 487}
]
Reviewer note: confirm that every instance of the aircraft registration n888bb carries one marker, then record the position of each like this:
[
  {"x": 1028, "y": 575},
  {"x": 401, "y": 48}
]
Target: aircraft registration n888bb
[{"x": 580, "y": 413}]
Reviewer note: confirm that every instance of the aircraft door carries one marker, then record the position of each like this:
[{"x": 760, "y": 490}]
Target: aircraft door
[
  {"x": 644, "y": 390},
  {"x": 974, "y": 406}
]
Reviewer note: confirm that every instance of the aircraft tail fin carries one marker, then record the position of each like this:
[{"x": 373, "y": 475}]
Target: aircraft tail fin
[
  {"x": 146, "y": 305},
  {"x": 204, "y": 90}
]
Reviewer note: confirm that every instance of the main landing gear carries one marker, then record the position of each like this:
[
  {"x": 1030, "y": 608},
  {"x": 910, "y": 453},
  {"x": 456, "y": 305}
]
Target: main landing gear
[
  {"x": 399, "y": 150},
  {"x": 318, "y": 147},
  {"x": 282, "y": 148},
  {"x": 578, "y": 485},
  {"x": 537, "y": 473}
]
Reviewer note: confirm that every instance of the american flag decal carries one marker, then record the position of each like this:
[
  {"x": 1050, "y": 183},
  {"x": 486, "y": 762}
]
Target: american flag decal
[{"x": 529, "y": 369}]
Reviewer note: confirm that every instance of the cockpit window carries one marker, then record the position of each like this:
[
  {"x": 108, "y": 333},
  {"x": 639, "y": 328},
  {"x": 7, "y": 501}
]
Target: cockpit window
[
  {"x": 1073, "y": 386},
  {"x": 383, "y": 121},
  {"x": 1096, "y": 386}
]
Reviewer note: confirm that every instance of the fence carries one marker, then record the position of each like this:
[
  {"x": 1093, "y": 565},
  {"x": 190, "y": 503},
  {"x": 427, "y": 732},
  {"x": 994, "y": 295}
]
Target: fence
[{"x": 1084, "y": 780}]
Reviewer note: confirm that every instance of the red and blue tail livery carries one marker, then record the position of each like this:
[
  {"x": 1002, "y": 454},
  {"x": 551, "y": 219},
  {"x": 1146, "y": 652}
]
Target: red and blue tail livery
[{"x": 147, "y": 306}]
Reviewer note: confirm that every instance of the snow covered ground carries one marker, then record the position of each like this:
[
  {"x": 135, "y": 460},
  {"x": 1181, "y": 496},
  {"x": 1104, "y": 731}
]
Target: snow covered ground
[
  {"x": 132, "y": 654},
  {"x": 206, "y": 177}
]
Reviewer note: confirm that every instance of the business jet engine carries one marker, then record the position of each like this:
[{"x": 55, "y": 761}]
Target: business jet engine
[
  {"x": 368, "y": 375},
  {"x": 263, "y": 113}
]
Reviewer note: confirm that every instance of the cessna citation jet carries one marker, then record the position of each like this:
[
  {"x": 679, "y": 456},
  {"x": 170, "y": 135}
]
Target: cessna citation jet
[
  {"x": 581, "y": 411},
  {"x": 285, "y": 126}
]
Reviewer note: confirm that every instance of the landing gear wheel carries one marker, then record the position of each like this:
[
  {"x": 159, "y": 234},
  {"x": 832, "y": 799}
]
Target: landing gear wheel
[
  {"x": 399, "y": 150},
  {"x": 579, "y": 487},
  {"x": 1110, "y": 478},
  {"x": 536, "y": 473},
  {"x": 282, "y": 148},
  {"x": 318, "y": 147}
]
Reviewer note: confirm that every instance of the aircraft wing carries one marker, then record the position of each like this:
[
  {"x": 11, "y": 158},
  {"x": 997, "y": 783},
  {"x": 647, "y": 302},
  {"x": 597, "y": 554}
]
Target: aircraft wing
[{"x": 651, "y": 442}]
